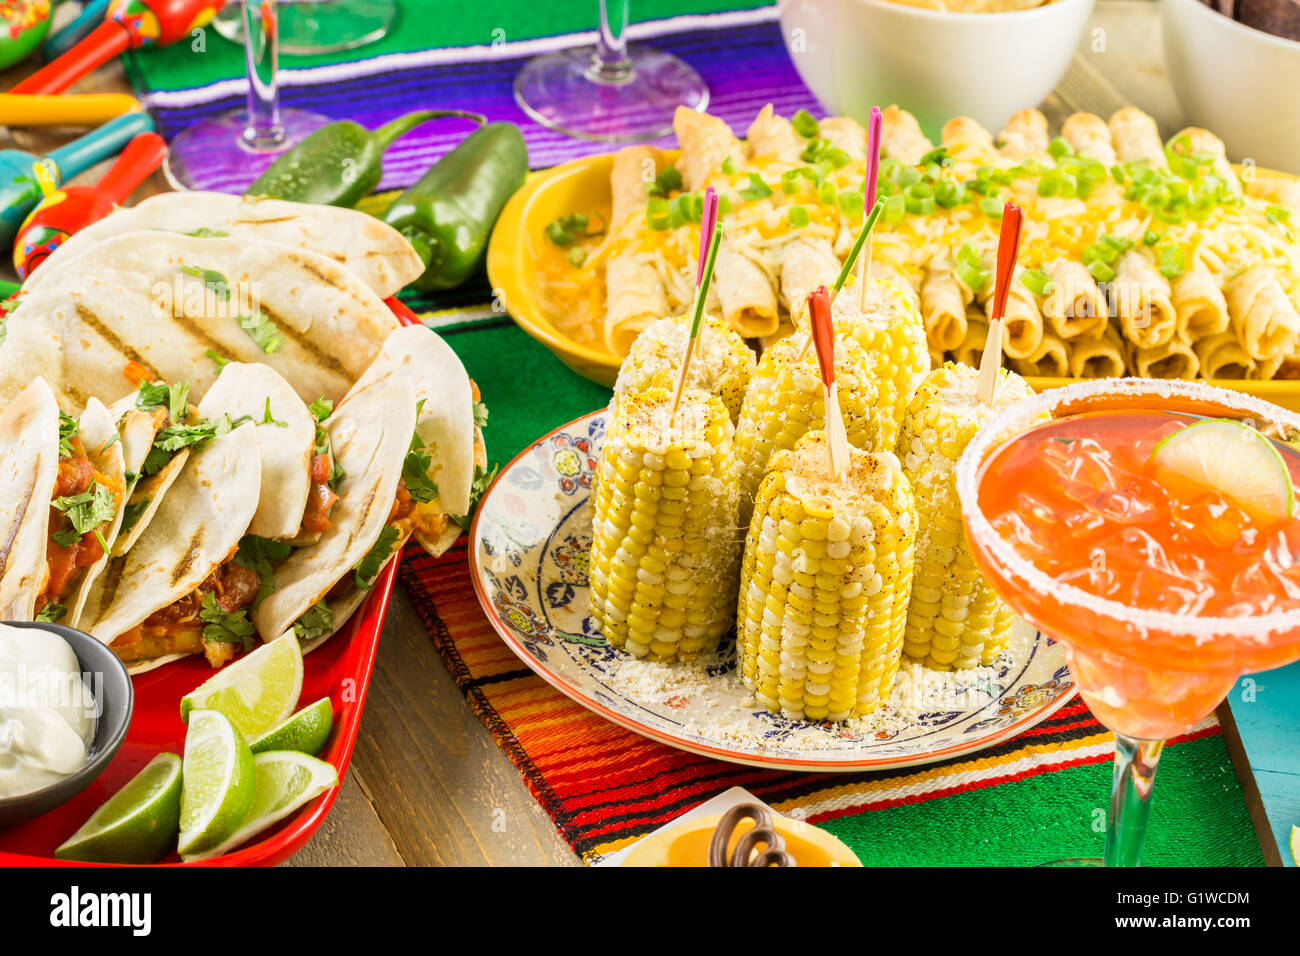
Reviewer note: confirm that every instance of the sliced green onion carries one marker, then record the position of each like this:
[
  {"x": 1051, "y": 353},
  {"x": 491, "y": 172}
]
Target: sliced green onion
[
  {"x": 1172, "y": 261},
  {"x": 1036, "y": 281},
  {"x": 805, "y": 124},
  {"x": 1150, "y": 238},
  {"x": 729, "y": 166},
  {"x": 577, "y": 256},
  {"x": 991, "y": 207},
  {"x": 1100, "y": 271},
  {"x": 757, "y": 189},
  {"x": 798, "y": 216},
  {"x": 894, "y": 208},
  {"x": 972, "y": 277},
  {"x": 1059, "y": 147}
]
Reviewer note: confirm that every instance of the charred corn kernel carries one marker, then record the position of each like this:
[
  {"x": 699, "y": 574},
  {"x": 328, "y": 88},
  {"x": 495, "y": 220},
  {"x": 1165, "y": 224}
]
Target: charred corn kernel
[
  {"x": 892, "y": 337},
  {"x": 954, "y": 619},
  {"x": 722, "y": 364},
  {"x": 665, "y": 548},
  {"x": 813, "y": 640},
  {"x": 786, "y": 400}
]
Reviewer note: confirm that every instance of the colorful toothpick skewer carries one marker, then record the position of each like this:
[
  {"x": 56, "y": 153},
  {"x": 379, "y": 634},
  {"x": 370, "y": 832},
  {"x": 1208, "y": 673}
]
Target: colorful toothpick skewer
[
  {"x": 874, "y": 127},
  {"x": 1008, "y": 248},
  {"x": 823, "y": 335},
  {"x": 710, "y": 239},
  {"x": 850, "y": 261}
]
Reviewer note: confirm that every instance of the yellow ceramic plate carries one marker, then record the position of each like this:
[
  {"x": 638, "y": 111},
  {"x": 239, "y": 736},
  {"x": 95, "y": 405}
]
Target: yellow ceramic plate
[{"x": 583, "y": 186}]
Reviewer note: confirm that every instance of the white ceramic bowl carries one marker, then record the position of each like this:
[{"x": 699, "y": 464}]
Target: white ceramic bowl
[
  {"x": 855, "y": 54},
  {"x": 1240, "y": 83}
]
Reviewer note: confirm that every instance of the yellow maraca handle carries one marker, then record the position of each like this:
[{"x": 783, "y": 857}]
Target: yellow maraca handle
[{"x": 64, "y": 109}]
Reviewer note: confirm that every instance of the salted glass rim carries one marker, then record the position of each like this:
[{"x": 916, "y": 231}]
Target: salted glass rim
[{"x": 1008, "y": 424}]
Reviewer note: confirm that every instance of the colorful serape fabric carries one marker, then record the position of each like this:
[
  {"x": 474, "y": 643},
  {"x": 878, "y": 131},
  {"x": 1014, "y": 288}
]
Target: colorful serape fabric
[{"x": 1038, "y": 797}]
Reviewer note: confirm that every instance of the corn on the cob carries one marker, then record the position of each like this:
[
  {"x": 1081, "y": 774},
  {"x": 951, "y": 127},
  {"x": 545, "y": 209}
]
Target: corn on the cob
[
  {"x": 665, "y": 542},
  {"x": 892, "y": 337},
  {"x": 824, "y": 583},
  {"x": 786, "y": 400},
  {"x": 954, "y": 619},
  {"x": 722, "y": 364}
]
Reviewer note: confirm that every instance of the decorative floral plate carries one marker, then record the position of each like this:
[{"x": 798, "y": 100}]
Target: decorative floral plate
[{"x": 529, "y": 552}]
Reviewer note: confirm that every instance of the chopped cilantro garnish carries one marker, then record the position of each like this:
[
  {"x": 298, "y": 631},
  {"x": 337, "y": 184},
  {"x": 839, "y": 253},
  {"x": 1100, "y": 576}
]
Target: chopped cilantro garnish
[
  {"x": 110, "y": 443},
  {"x": 66, "y": 538},
  {"x": 222, "y": 625},
  {"x": 51, "y": 612},
  {"x": 211, "y": 279},
  {"x": 480, "y": 415},
  {"x": 269, "y": 419},
  {"x": 68, "y": 428},
  {"x": 259, "y": 555},
  {"x": 262, "y": 331},
  {"x": 175, "y": 437},
  {"x": 219, "y": 360},
  {"x": 368, "y": 568},
  {"x": 203, "y": 232},
  {"x": 131, "y": 514},
  {"x": 89, "y": 509},
  {"x": 321, "y": 408},
  {"x": 316, "y": 621},
  {"x": 415, "y": 472}
]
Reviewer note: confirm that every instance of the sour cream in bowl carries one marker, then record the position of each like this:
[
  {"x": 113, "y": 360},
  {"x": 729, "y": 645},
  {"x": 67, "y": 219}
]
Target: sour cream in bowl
[{"x": 65, "y": 702}]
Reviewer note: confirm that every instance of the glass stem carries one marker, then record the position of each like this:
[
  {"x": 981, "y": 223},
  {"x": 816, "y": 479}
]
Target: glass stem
[
  {"x": 610, "y": 62},
  {"x": 1130, "y": 798},
  {"x": 261, "y": 50}
]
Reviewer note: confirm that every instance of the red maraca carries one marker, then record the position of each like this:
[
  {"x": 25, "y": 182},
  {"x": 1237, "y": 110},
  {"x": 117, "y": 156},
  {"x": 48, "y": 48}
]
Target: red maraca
[
  {"x": 73, "y": 208},
  {"x": 128, "y": 25}
]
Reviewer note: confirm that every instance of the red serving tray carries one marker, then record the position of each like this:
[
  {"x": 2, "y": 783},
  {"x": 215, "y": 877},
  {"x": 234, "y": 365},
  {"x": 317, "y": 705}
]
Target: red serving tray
[{"x": 339, "y": 669}]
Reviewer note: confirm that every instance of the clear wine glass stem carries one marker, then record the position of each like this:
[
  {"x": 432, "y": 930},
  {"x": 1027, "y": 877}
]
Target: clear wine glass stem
[
  {"x": 261, "y": 50},
  {"x": 610, "y": 62},
  {"x": 1130, "y": 798}
]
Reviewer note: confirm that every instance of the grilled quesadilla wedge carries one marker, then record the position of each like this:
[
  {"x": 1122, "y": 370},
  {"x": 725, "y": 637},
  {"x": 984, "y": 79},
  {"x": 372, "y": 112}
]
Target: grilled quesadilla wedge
[
  {"x": 314, "y": 587},
  {"x": 63, "y": 488},
  {"x": 446, "y": 456},
  {"x": 375, "y": 251},
  {"x": 298, "y": 472},
  {"x": 177, "y": 590},
  {"x": 162, "y": 307}
]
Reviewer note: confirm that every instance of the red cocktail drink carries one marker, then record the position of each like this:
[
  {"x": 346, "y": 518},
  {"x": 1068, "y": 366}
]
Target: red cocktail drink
[{"x": 1150, "y": 527}]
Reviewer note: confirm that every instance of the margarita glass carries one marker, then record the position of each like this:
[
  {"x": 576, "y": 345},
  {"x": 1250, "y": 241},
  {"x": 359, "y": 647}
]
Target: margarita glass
[{"x": 1163, "y": 590}]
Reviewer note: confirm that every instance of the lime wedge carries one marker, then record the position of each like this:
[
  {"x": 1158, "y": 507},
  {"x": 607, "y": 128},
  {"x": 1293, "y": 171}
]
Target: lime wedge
[
  {"x": 1295, "y": 845},
  {"x": 1231, "y": 458},
  {"x": 285, "y": 780},
  {"x": 216, "y": 782},
  {"x": 138, "y": 824},
  {"x": 305, "y": 732},
  {"x": 257, "y": 691}
]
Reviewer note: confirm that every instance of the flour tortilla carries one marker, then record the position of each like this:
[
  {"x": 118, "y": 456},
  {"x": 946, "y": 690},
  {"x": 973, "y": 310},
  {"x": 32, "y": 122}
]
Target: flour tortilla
[
  {"x": 370, "y": 433},
  {"x": 196, "y": 528},
  {"x": 446, "y": 420},
  {"x": 138, "y": 430},
  {"x": 376, "y": 252},
  {"x": 29, "y": 466},
  {"x": 285, "y": 449},
  {"x": 100, "y": 438},
  {"x": 128, "y": 303}
]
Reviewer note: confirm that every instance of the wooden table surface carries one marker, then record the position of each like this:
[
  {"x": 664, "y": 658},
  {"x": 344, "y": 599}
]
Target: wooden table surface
[{"x": 427, "y": 784}]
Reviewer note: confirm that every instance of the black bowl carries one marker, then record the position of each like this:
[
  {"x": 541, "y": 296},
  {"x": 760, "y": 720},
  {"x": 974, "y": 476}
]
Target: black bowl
[{"x": 116, "y": 700}]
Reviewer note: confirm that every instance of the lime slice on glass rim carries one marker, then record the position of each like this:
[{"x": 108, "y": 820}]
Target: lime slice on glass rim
[
  {"x": 284, "y": 781},
  {"x": 305, "y": 732},
  {"x": 216, "y": 782},
  {"x": 1232, "y": 458},
  {"x": 138, "y": 824},
  {"x": 256, "y": 692}
]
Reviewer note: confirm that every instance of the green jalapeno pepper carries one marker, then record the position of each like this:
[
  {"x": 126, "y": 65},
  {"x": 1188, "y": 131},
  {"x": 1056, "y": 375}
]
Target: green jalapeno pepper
[
  {"x": 340, "y": 163},
  {"x": 449, "y": 214}
]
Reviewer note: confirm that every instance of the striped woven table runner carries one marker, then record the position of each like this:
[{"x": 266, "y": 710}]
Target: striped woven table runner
[{"x": 1038, "y": 797}]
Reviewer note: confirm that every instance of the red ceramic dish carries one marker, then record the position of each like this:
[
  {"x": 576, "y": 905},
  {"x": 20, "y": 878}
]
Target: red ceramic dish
[{"x": 340, "y": 670}]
